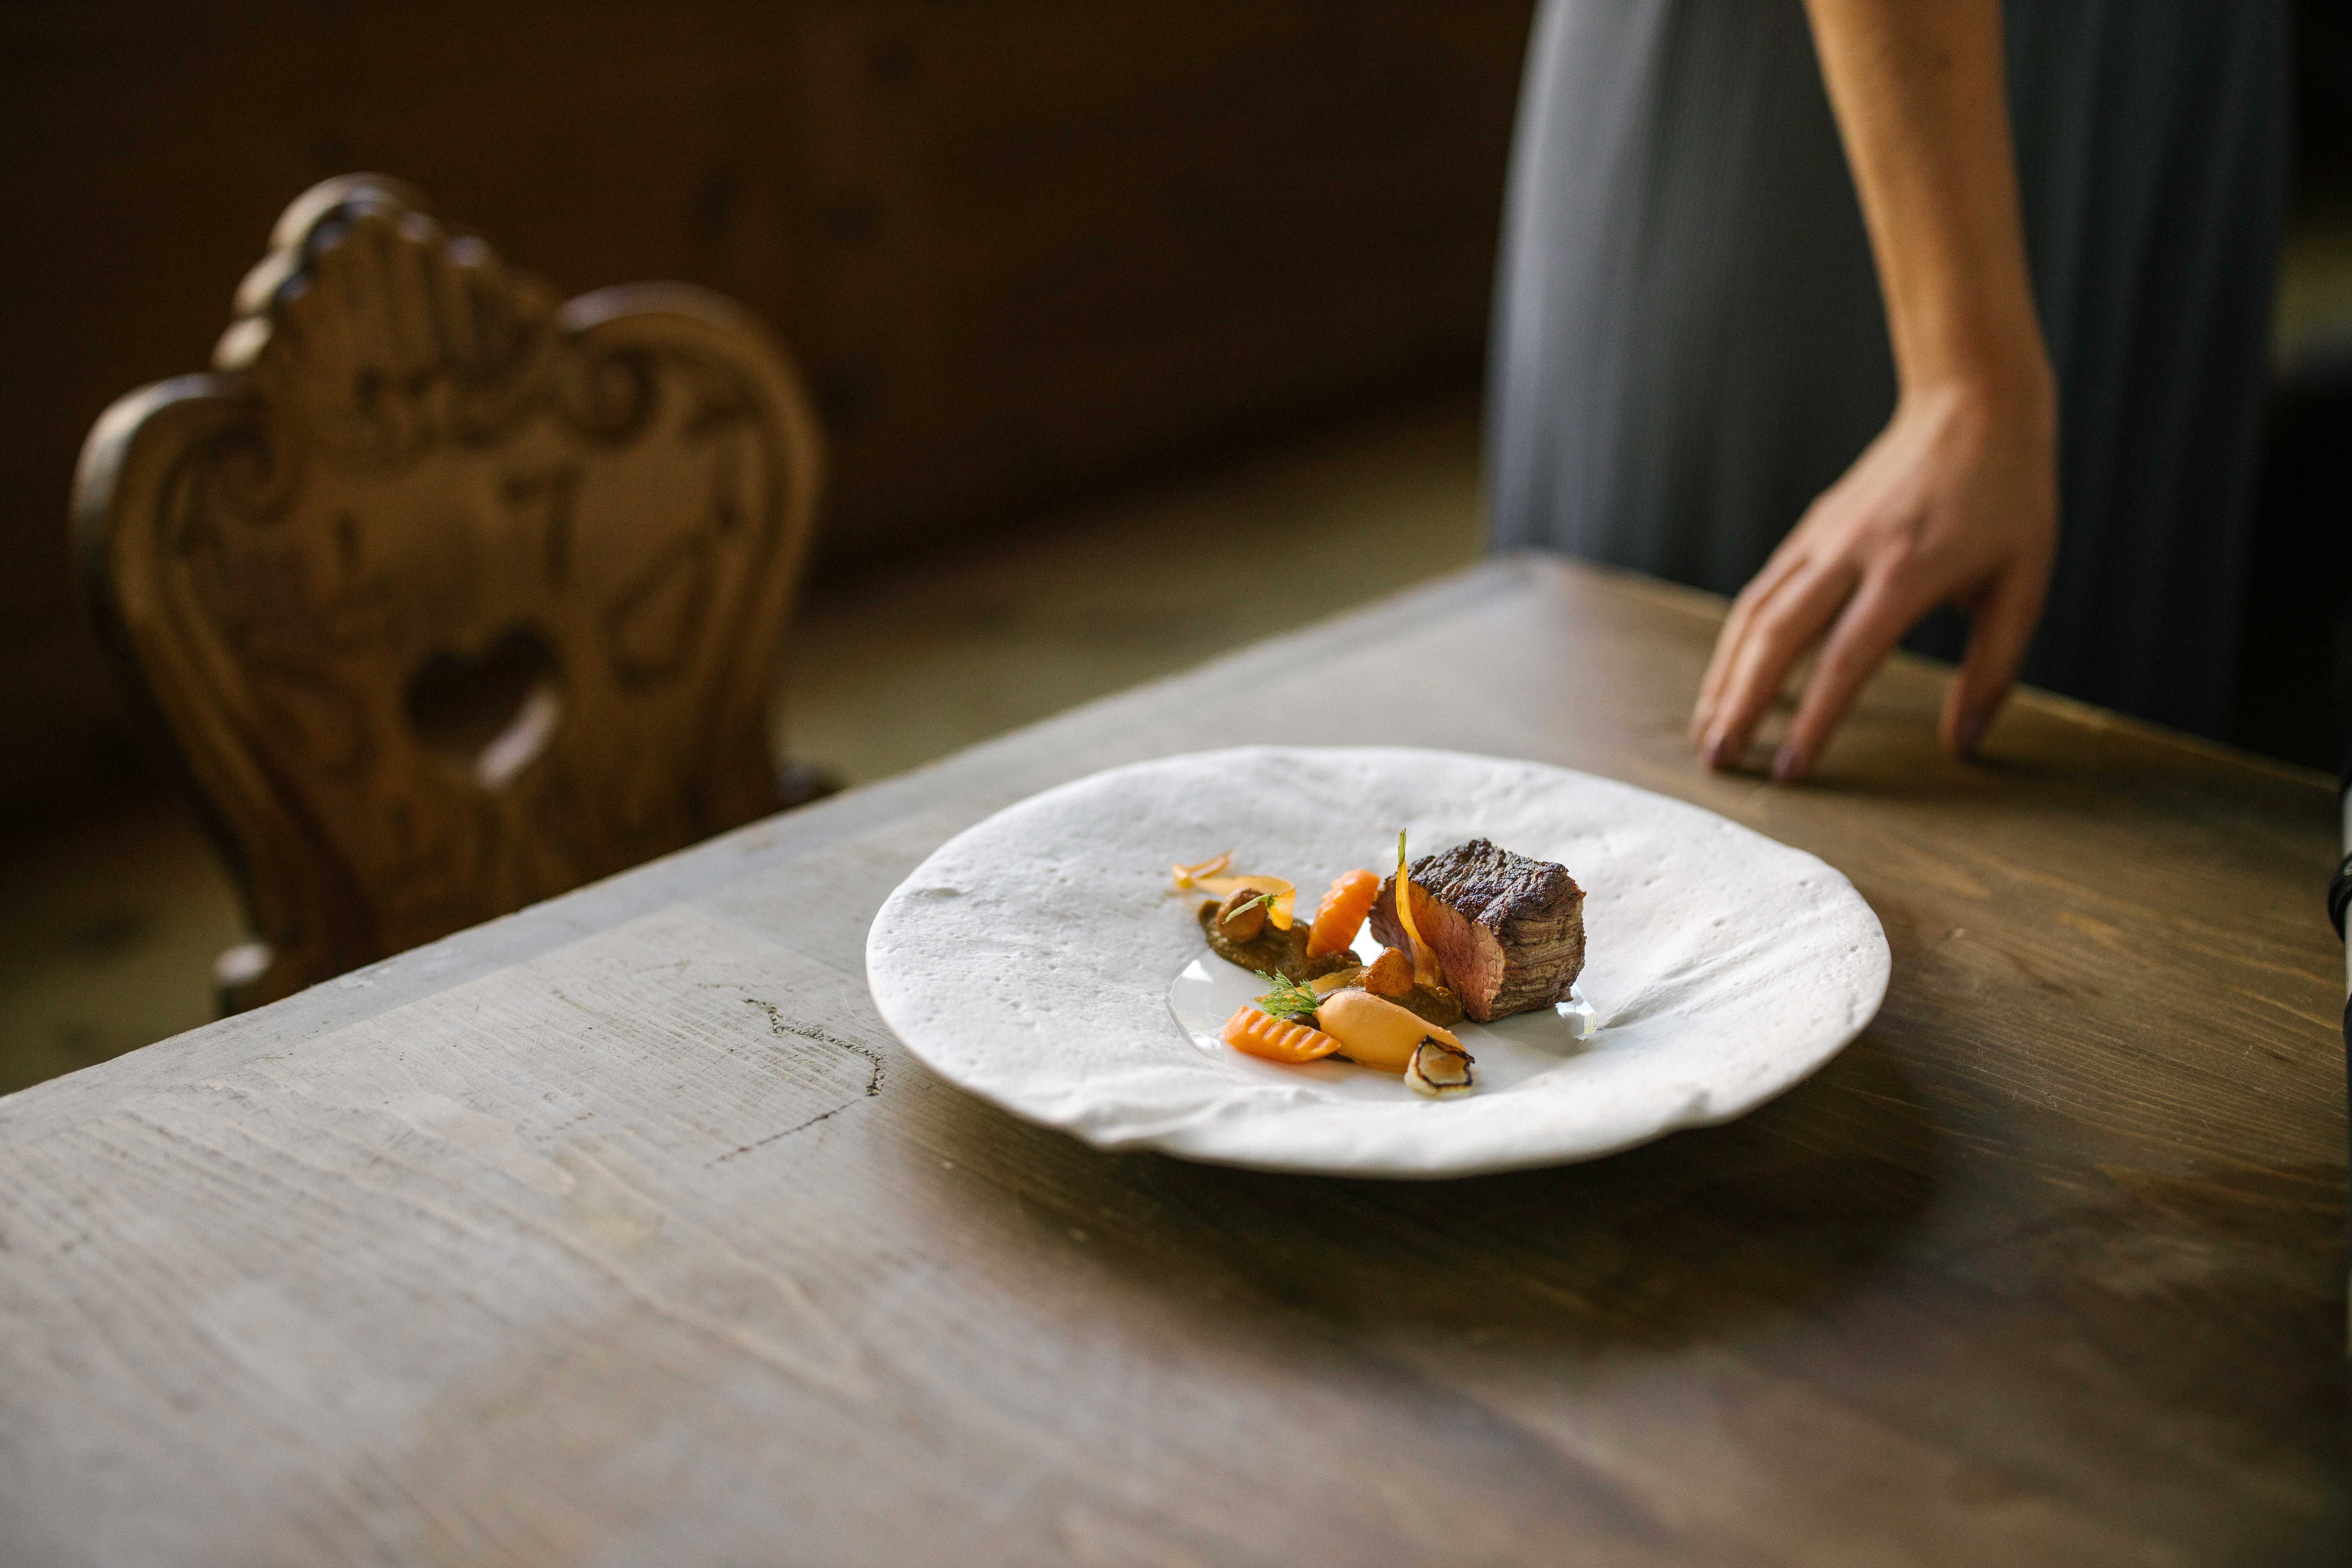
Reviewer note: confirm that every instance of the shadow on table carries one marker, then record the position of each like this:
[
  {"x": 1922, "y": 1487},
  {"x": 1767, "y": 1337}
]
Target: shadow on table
[{"x": 1689, "y": 1238}]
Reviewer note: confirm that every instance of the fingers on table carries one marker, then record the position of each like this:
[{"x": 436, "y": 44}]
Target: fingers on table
[
  {"x": 2001, "y": 629},
  {"x": 1756, "y": 656},
  {"x": 1873, "y": 622},
  {"x": 1777, "y": 571}
]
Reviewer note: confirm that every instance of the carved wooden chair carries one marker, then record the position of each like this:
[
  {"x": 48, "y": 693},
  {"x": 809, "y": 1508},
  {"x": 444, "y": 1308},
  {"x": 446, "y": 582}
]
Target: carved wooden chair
[{"x": 447, "y": 597}]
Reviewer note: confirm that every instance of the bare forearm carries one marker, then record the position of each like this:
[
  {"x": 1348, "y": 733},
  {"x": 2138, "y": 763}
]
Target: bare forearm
[
  {"x": 1956, "y": 503},
  {"x": 1918, "y": 89}
]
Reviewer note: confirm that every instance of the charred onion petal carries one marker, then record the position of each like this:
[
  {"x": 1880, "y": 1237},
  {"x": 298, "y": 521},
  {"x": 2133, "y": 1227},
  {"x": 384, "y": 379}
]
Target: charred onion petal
[{"x": 1439, "y": 1071}]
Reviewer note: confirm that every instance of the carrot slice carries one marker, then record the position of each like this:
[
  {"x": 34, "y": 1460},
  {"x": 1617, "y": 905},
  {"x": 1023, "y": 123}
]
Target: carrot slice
[
  {"x": 1425, "y": 970},
  {"x": 1257, "y": 1034},
  {"x": 1186, "y": 876},
  {"x": 1342, "y": 914}
]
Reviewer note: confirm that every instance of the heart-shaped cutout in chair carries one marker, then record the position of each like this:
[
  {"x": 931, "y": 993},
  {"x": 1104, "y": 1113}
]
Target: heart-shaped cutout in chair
[{"x": 490, "y": 712}]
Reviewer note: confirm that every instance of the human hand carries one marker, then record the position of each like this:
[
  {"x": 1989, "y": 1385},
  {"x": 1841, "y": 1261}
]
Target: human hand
[{"x": 1955, "y": 503}]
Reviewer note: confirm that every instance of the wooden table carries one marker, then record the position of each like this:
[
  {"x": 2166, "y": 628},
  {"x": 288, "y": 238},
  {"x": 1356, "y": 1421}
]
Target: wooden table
[{"x": 621, "y": 1231}]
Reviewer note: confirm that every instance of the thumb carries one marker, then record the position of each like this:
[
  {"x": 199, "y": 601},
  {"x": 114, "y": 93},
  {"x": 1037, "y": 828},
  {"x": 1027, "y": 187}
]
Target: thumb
[{"x": 2000, "y": 630}]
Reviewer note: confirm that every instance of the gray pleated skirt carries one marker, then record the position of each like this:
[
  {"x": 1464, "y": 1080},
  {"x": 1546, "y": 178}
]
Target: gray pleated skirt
[{"x": 1689, "y": 343}]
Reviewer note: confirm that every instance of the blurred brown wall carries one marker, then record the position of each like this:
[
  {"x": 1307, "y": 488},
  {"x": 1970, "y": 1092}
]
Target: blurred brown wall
[{"x": 1021, "y": 248}]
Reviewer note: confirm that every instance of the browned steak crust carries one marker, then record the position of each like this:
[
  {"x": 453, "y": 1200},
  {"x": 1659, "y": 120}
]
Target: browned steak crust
[{"x": 1508, "y": 931}]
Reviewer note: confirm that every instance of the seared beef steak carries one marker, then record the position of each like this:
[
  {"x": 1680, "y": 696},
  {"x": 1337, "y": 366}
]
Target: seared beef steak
[{"x": 1508, "y": 931}]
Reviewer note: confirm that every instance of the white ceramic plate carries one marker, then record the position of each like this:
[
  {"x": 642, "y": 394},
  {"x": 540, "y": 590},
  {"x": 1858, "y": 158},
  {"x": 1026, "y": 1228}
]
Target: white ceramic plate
[{"x": 1041, "y": 961}]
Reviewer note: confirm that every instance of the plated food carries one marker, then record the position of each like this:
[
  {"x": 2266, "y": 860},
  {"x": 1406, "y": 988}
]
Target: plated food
[
  {"x": 1477, "y": 931},
  {"x": 1038, "y": 961}
]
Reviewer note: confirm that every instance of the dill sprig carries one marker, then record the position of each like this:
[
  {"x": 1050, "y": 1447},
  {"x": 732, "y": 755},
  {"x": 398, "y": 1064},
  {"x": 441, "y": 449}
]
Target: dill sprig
[{"x": 1288, "y": 999}]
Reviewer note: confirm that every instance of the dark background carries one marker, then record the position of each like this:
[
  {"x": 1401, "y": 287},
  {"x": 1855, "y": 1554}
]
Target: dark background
[
  {"x": 1024, "y": 251},
  {"x": 2295, "y": 678}
]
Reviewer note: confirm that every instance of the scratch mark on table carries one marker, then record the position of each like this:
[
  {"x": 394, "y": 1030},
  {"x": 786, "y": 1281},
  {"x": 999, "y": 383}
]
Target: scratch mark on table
[{"x": 783, "y": 1025}]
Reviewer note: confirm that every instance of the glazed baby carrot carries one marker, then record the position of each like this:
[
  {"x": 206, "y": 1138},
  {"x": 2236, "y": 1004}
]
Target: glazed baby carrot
[
  {"x": 1257, "y": 1034},
  {"x": 1341, "y": 914}
]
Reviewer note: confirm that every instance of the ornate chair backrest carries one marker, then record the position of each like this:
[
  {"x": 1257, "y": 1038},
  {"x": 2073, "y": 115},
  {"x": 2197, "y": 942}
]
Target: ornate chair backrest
[{"x": 448, "y": 598}]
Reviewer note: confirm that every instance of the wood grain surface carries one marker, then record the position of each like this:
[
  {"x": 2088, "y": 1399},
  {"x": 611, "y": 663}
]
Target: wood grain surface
[{"x": 620, "y": 1231}]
